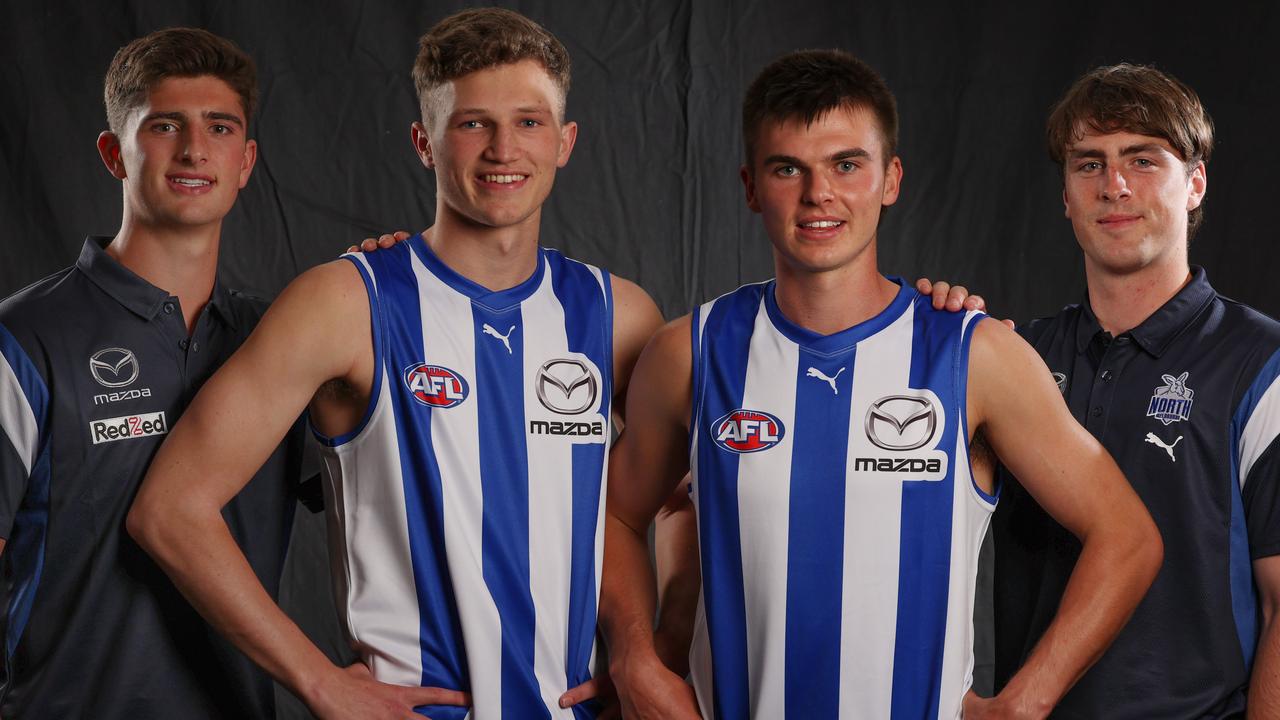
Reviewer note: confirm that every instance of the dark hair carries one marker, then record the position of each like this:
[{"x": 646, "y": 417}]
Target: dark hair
[
  {"x": 483, "y": 38},
  {"x": 175, "y": 52},
  {"x": 807, "y": 84},
  {"x": 1138, "y": 99}
]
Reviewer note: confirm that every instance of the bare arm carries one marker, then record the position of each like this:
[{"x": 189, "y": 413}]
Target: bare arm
[
  {"x": 645, "y": 467},
  {"x": 1019, "y": 410},
  {"x": 679, "y": 578},
  {"x": 318, "y": 330},
  {"x": 1264, "y": 687}
]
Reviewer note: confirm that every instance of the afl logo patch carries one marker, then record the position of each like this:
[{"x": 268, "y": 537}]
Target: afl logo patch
[
  {"x": 435, "y": 386},
  {"x": 747, "y": 431}
]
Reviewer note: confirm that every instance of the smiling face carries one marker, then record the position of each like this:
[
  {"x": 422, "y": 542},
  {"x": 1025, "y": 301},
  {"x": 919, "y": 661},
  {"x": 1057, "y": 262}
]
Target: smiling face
[
  {"x": 183, "y": 155},
  {"x": 820, "y": 188},
  {"x": 495, "y": 142},
  {"x": 1127, "y": 196}
]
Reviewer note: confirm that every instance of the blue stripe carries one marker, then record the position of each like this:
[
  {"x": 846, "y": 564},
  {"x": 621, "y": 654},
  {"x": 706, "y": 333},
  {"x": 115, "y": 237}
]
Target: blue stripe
[
  {"x": 730, "y": 323},
  {"x": 504, "y": 485},
  {"x": 444, "y": 661},
  {"x": 815, "y": 541},
  {"x": 1239, "y": 563},
  {"x": 588, "y": 329},
  {"x": 376, "y": 321},
  {"x": 925, "y": 542},
  {"x": 24, "y": 548}
]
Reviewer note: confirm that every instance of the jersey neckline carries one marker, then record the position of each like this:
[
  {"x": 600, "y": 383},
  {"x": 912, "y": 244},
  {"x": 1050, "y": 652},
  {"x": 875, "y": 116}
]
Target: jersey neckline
[
  {"x": 841, "y": 339},
  {"x": 496, "y": 300}
]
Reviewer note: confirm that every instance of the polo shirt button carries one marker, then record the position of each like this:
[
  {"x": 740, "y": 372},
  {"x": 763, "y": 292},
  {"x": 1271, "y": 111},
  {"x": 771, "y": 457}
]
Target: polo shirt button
[
  {"x": 1096, "y": 412},
  {"x": 183, "y": 343},
  {"x": 168, "y": 308},
  {"x": 195, "y": 346},
  {"x": 1106, "y": 376}
]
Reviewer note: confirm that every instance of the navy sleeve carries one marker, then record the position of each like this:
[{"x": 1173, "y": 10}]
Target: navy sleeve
[
  {"x": 24, "y": 401},
  {"x": 1262, "y": 503}
]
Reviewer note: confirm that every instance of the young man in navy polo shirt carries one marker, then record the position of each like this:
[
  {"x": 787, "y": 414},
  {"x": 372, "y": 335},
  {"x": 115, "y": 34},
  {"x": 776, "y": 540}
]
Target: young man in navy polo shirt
[
  {"x": 96, "y": 364},
  {"x": 1179, "y": 384}
]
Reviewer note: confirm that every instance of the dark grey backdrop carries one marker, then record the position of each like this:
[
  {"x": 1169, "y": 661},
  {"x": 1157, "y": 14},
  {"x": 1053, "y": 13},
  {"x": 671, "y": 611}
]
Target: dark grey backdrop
[{"x": 652, "y": 191}]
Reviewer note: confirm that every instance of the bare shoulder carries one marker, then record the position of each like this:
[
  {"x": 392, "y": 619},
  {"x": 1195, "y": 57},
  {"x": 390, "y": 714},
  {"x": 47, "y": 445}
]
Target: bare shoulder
[
  {"x": 634, "y": 312},
  {"x": 996, "y": 349}
]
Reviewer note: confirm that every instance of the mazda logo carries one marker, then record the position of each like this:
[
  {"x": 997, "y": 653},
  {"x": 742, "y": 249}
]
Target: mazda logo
[
  {"x": 901, "y": 422},
  {"x": 114, "y": 367},
  {"x": 566, "y": 386}
]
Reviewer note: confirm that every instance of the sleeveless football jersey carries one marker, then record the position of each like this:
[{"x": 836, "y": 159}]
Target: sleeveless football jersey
[
  {"x": 838, "y": 522},
  {"x": 467, "y": 507}
]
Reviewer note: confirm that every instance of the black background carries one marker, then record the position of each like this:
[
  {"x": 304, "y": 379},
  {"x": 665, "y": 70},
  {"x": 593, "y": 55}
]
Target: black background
[{"x": 652, "y": 190}]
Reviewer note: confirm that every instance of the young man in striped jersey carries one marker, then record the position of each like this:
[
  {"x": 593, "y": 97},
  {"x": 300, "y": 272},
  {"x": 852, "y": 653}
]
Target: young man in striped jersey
[
  {"x": 463, "y": 383},
  {"x": 826, "y": 418}
]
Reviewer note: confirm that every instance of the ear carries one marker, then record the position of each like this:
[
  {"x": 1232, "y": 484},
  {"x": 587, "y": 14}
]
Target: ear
[
  {"x": 1066, "y": 204},
  {"x": 892, "y": 182},
  {"x": 1198, "y": 184},
  {"x": 109, "y": 151},
  {"x": 422, "y": 144},
  {"x": 568, "y": 136},
  {"x": 247, "y": 162},
  {"x": 749, "y": 186}
]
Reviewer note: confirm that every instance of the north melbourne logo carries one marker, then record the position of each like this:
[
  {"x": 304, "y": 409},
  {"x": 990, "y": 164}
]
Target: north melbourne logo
[
  {"x": 114, "y": 367},
  {"x": 1171, "y": 402},
  {"x": 566, "y": 386},
  {"x": 127, "y": 427},
  {"x": 435, "y": 386}
]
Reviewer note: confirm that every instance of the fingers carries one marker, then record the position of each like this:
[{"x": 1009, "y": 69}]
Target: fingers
[
  {"x": 573, "y": 696},
  {"x": 972, "y": 302},
  {"x": 924, "y": 286},
  {"x": 436, "y": 696},
  {"x": 1009, "y": 323},
  {"x": 387, "y": 241},
  {"x": 941, "y": 292}
]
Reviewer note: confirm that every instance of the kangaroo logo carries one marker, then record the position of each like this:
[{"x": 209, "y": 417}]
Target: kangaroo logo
[
  {"x": 1171, "y": 402},
  {"x": 487, "y": 329},
  {"x": 816, "y": 373},
  {"x": 1155, "y": 440}
]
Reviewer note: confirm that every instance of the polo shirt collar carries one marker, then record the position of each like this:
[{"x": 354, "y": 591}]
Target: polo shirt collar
[
  {"x": 134, "y": 293},
  {"x": 1159, "y": 330}
]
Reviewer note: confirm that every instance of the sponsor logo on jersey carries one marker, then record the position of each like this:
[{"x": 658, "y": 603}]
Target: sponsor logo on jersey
[
  {"x": 901, "y": 422},
  {"x": 114, "y": 367},
  {"x": 747, "y": 431},
  {"x": 436, "y": 386},
  {"x": 1061, "y": 380},
  {"x": 593, "y": 429},
  {"x": 566, "y": 386},
  {"x": 1155, "y": 440},
  {"x": 1171, "y": 402},
  {"x": 131, "y": 394},
  {"x": 127, "y": 427}
]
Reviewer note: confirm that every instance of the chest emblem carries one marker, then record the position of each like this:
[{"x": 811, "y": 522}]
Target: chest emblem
[
  {"x": 901, "y": 422},
  {"x": 1061, "y": 380},
  {"x": 1155, "y": 440},
  {"x": 1171, "y": 402},
  {"x": 566, "y": 386},
  {"x": 114, "y": 367},
  {"x": 436, "y": 386},
  {"x": 814, "y": 372},
  {"x": 489, "y": 330},
  {"x": 747, "y": 431}
]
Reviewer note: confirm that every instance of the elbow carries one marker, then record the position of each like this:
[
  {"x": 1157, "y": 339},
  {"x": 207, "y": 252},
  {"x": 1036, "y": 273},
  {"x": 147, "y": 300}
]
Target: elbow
[
  {"x": 1148, "y": 549},
  {"x": 146, "y": 523}
]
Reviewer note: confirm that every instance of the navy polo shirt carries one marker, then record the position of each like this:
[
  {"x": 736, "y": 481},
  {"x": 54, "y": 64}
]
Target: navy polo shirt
[
  {"x": 95, "y": 368},
  {"x": 1189, "y": 406}
]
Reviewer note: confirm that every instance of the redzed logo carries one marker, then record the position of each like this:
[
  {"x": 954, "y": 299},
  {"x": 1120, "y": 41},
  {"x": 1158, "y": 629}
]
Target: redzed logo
[
  {"x": 129, "y": 426},
  {"x": 435, "y": 386}
]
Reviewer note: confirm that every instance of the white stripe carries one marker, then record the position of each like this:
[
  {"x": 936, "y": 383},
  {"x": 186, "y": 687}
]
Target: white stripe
[
  {"x": 550, "y": 464},
  {"x": 17, "y": 417},
  {"x": 1260, "y": 430},
  {"x": 764, "y": 494},
  {"x": 448, "y": 333},
  {"x": 377, "y": 595},
  {"x": 882, "y": 365}
]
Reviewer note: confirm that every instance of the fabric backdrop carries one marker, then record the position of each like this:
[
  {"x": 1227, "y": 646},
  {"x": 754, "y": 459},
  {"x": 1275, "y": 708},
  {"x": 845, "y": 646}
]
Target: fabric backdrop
[{"x": 652, "y": 191}]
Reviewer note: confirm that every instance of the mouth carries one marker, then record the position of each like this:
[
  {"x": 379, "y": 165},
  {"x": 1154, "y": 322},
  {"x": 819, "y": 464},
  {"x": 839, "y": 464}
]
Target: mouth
[
  {"x": 502, "y": 180},
  {"x": 190, "y": 183},
  {"x": 1115, "y": 222},
  {"x": 820, "y": 227}
]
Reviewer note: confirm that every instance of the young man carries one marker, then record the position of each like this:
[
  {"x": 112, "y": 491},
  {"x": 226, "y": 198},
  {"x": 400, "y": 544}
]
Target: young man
[
  {"x": 826, "y": 418},
  {"x": 97, "y": 362},
  {"x": 1179, "y": 384},
  {"x": 464, "y": 383}
]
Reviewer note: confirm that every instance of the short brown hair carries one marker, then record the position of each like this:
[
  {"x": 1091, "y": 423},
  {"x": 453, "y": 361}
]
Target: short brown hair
[
  {"x": 807, "y": 84},
  {"x": 1138, "y": 99},
  {"x": 483, "y": 38},
  {"x": 175, "y": 52}
]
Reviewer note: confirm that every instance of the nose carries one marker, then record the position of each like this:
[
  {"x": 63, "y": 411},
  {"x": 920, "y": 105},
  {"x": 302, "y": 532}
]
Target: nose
[
  {"x": 195, "y": 149},
  {"x": 503, "y": 146},
  {"x": 1114, "y": 185},
  {"x": 817, "y": 189}
]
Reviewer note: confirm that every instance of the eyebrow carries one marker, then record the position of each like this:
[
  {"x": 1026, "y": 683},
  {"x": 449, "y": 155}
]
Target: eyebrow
[
  {"x": 211, "y": 115},
  {"x": 1124, "y": 151},
  {"x": 835, "y": 157}
]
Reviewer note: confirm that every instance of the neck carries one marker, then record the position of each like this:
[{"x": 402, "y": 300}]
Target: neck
[
  {"x": 830, "y": 301},
  {"x": 1122, "y": 302},
  {"x": 180, "y": 261},
  {"x": 494, "y": 258}
]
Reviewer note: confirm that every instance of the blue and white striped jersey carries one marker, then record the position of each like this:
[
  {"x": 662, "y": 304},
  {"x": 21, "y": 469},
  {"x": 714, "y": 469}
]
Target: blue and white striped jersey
[
  {"x": 838, "y": 522},
  {"x": 468, "y": 505}
]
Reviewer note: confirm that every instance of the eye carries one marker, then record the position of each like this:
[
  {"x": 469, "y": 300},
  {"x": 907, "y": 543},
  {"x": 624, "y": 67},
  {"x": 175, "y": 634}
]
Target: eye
[
  {"x": 164, "y": 127},
  {"x": 1090, "y": 166},
  {"x": 470, "y": 124},
  {"x": 220, "y": 129},
  {"x": 1143, "y": 162},
  {"x": 787, "y": 170},
  {"x": 528, "y": 123},
  {"x": 846, "y": 166}
]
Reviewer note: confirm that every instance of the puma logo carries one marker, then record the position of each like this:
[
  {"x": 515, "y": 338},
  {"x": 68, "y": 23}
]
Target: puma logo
[
  {"x": 816, "y": 373},
  {"x": 487, "y": 329},
  {"x": 1155, "y": 440}
]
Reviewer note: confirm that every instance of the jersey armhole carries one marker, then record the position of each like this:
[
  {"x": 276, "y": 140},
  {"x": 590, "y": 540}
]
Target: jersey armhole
[
  {"x": 971, "y": 320},
  {"x": 378, "y": 332},
  {"x": 695, "y": 377},
  {"x": 606, "y": 285}
]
